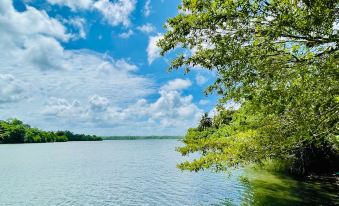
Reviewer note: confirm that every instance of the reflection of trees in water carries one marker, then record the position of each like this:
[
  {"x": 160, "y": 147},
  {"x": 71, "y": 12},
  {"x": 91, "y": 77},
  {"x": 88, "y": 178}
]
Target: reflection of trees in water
[
  {"x": 279, "y": 190},
  {"x": 283, "y": 190}
]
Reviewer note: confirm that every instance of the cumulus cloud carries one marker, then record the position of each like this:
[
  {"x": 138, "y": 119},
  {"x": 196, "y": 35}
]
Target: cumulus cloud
[
  {"x": 172, "y": 112},
  {"x": 73, "y": 110},
  {"x": 146, "y": 28},
  {"x": 41, "y": 52},
  {"x": 31, "y": 51},
  {"x": 98, "y": 103},
  {"x": 83, "y": 88},
  {"x": 117, "y": 12},
  {"x": 21, "y": 23},
  {"x": 153, "y": 51},
  {"x": 12, "y": 89},
  {"x": 114, "y": 12},
  {"x": 177, "y": 84},
  {"x": 30, "y": 37},
  {"x": 63, "y": 108}
]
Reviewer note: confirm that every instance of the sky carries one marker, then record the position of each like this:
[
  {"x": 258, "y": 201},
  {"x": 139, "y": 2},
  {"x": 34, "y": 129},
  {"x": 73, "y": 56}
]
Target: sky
[{"x": 92, "y": 66}]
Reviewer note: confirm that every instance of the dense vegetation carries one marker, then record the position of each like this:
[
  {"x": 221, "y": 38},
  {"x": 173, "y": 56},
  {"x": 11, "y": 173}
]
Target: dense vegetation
[
  {"x": 15, "y": 131},
  {"x": 279, "y": 60},
  {"x": 140, "y": 137}
]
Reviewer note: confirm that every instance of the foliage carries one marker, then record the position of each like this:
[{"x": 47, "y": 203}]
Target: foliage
[
  {"x": 15, "y": 131},
  {"x": 77, "y": 137},
  {"x": 205, "y": 122},
  {"x": 279, "y": 59}
]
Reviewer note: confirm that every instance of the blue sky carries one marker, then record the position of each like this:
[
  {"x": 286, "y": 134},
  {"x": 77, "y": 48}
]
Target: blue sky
[{"x": 92, "y": 66}]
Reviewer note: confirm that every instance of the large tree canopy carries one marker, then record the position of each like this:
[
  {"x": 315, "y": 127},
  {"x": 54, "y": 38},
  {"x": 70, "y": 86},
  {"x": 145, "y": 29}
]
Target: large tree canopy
[{"x": 279, "y": 59}]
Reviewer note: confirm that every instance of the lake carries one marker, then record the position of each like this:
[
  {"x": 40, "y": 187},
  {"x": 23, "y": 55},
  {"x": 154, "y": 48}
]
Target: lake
[{"x": 137, "y": 172}]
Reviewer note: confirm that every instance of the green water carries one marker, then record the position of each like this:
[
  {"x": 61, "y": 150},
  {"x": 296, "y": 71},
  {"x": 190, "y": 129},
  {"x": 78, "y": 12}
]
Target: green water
[{"x": 267, "y": 188}]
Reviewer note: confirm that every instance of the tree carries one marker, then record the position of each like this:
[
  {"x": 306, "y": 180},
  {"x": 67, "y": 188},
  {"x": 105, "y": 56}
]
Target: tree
[
  {"x": 15, "y": 131},
  {"x": 32, "y": 135},
  {"x": 205, "y": 121},
  {"x": 279, "y": 59},
  {"x": 224, "y": 116},
  {"x": 2, "y": 132}
]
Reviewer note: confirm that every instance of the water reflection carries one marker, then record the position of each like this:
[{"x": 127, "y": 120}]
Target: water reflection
[{"x": 264, "y": 188}]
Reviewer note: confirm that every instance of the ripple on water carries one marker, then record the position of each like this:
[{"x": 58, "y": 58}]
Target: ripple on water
[
  {"x": 110, "y": 173},
  {"x": 106, "y": 173}
]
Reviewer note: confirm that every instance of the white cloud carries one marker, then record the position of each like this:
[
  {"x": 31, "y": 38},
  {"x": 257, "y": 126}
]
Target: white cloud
[
  {"x": 30, "y": 22},
  {"x": 98, "y": 103},
  {"x": 60, "y": 107},
  {"x": 12, "y": 89},
  {"x": 41, "y": 52},
  {"x": 85, "y": 90},
  {"x": 79, "y": 24},
  {"x": 116, "y": 13},
  {"x": 170, "y": 113},
  {"x": 31, "y": 51},
  {"x": 73, "y": 4},
  {"x": 74, "y": 110},
  {"x": 146, "y": 28},
  {"x": 122, "y": 64},
  {"x": 200, "y": 79},
  {"x": 153, "y": 51},
  {"x": 147, "y": 8},
  {"x": 127, "y": 34},
  {"x": 177, "y": 84},
  {"x": 30, "y": 37},
  {"x": 173, "y": 110}
]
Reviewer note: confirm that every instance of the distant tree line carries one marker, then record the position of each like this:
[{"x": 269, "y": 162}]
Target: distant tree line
[
  {"x": 140, "y": 137},
  {"x": 15, "y": 131}
]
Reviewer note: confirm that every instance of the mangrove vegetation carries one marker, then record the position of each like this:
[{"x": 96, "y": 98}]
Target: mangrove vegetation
[
  {"x": 15, "y": 131},
  {"x": 140, "y": 137},
  {"x": 278, "y": 61}
]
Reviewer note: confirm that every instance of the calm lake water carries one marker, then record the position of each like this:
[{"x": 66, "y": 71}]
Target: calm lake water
[{"x": 141, "y": 172}]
